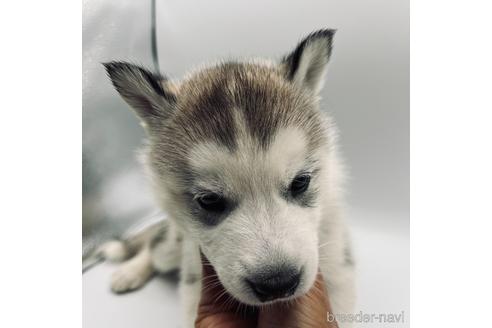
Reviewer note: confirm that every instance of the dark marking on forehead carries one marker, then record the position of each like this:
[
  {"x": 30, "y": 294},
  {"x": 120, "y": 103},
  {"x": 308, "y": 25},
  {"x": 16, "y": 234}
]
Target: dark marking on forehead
[
  {"x": 214, "y": 110},
  {"x": 265, "y": 99},
  {"x": 207, "y": 115},
  {"x": 209, "y": 102},
  {"x": 262, "y": 107}
]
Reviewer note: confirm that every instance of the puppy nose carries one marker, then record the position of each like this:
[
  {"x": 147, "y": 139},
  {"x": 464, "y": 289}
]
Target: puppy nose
[{"x": 269, "y": 287}]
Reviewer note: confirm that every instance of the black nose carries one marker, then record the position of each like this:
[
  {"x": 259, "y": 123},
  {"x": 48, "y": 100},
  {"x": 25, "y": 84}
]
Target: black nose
[{"x": 274, "y": 285}]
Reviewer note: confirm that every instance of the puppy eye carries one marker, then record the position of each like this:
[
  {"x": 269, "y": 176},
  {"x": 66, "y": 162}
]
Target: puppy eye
[
  {"x": 212, "y": 202},
  {"x": 300, "y": 184}
]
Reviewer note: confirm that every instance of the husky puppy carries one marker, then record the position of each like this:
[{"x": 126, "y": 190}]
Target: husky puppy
[{"x": 246, "y": 166}]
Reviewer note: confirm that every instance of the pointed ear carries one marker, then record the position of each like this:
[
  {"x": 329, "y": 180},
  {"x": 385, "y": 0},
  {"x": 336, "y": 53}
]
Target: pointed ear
[
  {"x": 306, "y": 65},
  {"x": 147, "y": 93}
]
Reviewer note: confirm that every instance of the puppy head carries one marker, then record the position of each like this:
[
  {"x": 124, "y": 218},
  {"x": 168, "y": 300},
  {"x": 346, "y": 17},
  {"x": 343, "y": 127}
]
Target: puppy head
[{"x": 236, "y": 152}]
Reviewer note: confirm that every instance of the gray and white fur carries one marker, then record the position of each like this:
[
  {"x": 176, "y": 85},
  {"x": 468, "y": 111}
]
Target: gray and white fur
[{"x": 247, "y": 167}]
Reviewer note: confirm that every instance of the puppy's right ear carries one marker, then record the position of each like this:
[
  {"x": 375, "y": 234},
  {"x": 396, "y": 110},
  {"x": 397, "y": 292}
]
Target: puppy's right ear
[
  {"x": 306, "y": 65},
  {"x": 144, "y": 91}
]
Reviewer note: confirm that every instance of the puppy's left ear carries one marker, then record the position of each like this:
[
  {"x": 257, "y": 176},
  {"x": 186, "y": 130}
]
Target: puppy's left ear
[
  {"x": 147, "y": 93},
  {"x": 306, "y": 65}
]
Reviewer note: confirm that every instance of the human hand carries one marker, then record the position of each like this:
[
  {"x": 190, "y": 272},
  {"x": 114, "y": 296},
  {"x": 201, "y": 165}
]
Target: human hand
[{"x": 217, "y": 309}]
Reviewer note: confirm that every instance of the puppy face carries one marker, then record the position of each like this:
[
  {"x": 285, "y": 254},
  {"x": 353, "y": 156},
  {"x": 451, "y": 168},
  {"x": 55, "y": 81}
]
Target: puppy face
[
  {"x": 258, "y": 214},
  {"x": 236, "y": 152}
]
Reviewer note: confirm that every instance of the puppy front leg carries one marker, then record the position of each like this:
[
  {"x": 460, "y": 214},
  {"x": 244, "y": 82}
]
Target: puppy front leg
[
  {"x": 190, "y": 285},
  {"x": 134, "y": 273}
]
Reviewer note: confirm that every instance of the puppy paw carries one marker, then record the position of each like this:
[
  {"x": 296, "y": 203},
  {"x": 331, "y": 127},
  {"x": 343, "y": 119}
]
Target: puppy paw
[
  {"x": 127, "y": 279},
  {"x": 114, "y": 251}
]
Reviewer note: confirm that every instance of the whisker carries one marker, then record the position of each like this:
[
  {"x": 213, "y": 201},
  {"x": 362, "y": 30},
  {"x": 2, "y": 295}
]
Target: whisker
[{"x": 220, "y": 296}]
